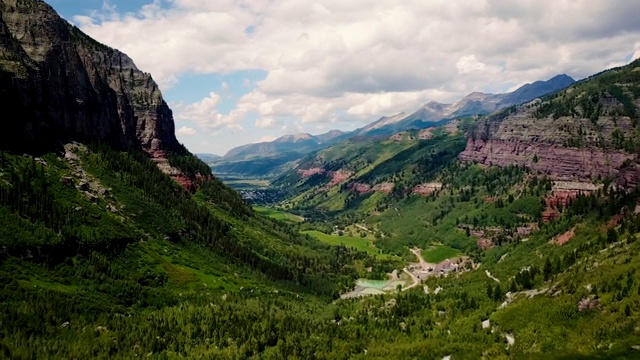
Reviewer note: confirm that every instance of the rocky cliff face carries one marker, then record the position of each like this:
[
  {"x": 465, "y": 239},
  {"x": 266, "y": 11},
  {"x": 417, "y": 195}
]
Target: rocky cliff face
[
  {"x": 64, "y": 86},
  {"x": 587, "y": 132},
  {"x": 557, "y": 162}
]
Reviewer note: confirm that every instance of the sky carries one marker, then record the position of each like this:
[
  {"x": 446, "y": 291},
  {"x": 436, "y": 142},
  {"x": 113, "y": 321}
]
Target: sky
[{"x": 243, "y": 71}]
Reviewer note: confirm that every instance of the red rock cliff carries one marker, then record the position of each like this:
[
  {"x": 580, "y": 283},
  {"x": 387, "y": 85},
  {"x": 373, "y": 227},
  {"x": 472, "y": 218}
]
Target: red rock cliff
[{"x": 564, "y": 147}]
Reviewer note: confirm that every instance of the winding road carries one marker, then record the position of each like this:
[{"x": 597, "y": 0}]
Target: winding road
[
  {"x": 423, "y": 264},
  {"x": 418, "y": 253},
  {"x": 415, "y": 279}
]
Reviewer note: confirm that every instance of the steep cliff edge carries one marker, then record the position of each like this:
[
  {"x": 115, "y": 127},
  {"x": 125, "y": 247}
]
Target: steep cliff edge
[
  {"x": 589, "y": 131},
  {"x": 64, "y": 86}
]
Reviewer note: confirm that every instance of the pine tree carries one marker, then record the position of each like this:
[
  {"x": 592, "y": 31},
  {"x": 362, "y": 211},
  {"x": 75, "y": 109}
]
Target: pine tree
[
  {"x": 489, "y": 291},
  {"x": 513, "y": 287},
  {"x": 548, "y": 269},
  {"x": 497, "y": 293}
]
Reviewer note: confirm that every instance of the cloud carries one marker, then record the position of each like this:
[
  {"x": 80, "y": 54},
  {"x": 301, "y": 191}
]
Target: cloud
[
  {"x": 266, "y": 123},
  {"x": 186, "y": 131},
  {"x": 331, "y": 61},
  {"x": 204, "y": 114},
  {"x": 636, "y": 54}
]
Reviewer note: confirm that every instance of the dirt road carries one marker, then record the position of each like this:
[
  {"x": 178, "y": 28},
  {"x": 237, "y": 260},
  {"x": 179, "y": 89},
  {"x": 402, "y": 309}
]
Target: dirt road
[
  {"x": 423, "y": 264},
  {"x": 415, "y": 279},
  {"x": 418, "y": 253}
]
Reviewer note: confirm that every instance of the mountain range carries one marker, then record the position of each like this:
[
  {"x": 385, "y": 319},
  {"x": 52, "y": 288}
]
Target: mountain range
[
  {"x": 477, "y": 103},
  {"x": 431, "y": 114},
  {"x": 302, "y": 142},
  {"x": 510, "y": 235}
]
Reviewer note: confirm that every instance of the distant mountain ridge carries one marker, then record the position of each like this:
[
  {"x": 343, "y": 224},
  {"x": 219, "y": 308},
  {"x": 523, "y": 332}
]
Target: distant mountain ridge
[
  {"x": 476, "y": 103},
  {"x": 431, "y": 114},
  {"x": 301, "y": 142},
  {"x": 207, "y": 157}
]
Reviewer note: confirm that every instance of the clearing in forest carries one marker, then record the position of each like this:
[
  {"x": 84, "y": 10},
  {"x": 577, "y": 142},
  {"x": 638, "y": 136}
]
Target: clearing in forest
[
  {"x": 437, "y": 254},
  {"x": 361, "y": 244},
  {"x": 278, "y": 214}
]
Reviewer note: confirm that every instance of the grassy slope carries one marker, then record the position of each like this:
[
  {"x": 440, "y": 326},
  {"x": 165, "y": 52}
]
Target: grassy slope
[
  {"x": 406, "y": 163},
  {"x": 439, "y": 253},
  {"x": 278, "y": 214},
  {"x": 361, "y": 244}
]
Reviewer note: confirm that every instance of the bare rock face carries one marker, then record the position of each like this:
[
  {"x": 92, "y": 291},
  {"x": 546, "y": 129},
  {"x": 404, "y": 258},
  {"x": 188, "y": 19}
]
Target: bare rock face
[
  {"x": 385, "y": 187},
  {"x": 338, "y": 177},
  {"x": 567, "y": 148},
  {"x": 427, "y": 188},
  {"x": 360, "y": 188},
  {"x": 558, "y": 162},
  {"x": 63, "y": 86},
  {"x": 159, "y": 157},
  {"x": 589, "y": 303},
  {"x": 310, "y": 172}
]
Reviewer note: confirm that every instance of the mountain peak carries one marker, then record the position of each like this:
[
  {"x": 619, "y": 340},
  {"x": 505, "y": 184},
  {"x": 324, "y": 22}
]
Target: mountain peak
[
  {"x": 477, "y": 96},
  {"x": 300, "y": 142},
  {"x": 476, "y": 103},
  {"x": 433, "y": 106},
  {"x": 561, "y": 77},
  {"x": 294, "y": 137}
]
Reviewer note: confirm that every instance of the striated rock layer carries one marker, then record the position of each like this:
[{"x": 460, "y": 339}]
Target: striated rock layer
[
  {"x": 557, "y": 162},
  {"x": 565, "y": 148},
  {"x": 64, "y": 86}
]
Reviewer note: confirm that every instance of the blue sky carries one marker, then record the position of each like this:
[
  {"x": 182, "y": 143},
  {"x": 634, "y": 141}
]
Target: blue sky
[
  {"x": 70, "y": 8},
  {"x": 242, "y": 71}
]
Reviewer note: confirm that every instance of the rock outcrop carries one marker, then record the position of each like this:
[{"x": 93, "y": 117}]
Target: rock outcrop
[
  {"x": 427, "y": 188},
  {"x": 586, "y": 132},
  {"x": 554, "y": 160},
  {"x": 362, "y": 188},
  {"x": 63, "y": 86}
]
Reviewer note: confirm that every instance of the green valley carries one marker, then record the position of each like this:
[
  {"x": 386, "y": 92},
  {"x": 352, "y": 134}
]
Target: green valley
[{"x": 479, "y": 234}]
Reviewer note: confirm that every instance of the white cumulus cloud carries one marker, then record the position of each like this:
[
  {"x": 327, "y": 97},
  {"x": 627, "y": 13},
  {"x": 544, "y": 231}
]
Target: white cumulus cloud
[
  {"x": 185, "y": 130},
  {"x": 266, "y": 123}
]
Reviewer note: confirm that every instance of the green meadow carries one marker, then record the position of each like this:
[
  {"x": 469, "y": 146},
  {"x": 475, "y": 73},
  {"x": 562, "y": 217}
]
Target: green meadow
[
  {"x": 278, "y": 214},
  {"x": 439, "y": 253},
  {"x": 361, "y": 244}
]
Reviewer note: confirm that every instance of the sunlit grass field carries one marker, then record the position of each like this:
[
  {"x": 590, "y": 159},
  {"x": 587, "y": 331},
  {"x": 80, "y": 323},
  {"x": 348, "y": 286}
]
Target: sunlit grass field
[
  {"x": 278, "y": 214},
  {"x": 439, "y": 253},
  {"x": 361, "y": 244}
]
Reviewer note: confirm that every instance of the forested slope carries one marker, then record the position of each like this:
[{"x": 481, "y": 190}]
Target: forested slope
[{"x": 116, "y": 242}]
